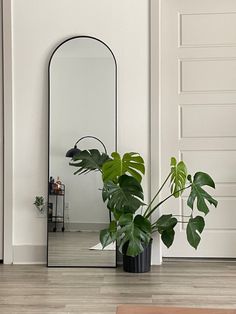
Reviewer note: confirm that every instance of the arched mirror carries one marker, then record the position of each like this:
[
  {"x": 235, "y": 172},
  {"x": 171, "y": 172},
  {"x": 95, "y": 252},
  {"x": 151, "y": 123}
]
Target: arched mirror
[{"x": 82, "y": 108}]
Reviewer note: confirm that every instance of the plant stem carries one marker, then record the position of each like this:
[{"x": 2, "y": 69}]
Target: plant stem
[
  {"x": 149, "y": 206},
  {"x": 182, "y": 215},
  {"x": 155, "y": 207},
  {"x": 154, "y": 230}
]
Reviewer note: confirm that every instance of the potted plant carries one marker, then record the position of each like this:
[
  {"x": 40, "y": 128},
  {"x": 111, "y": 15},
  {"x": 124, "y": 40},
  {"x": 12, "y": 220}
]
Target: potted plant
[
  {"x": 132, "y": 225},
  {"x": 39, "y": 203}
]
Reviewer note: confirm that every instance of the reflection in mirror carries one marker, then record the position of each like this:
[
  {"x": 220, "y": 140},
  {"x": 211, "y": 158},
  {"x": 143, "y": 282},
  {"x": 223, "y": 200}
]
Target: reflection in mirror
[{"x": 82, "y": 102}]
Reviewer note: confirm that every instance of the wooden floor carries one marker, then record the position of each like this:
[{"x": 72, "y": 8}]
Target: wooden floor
[{"x": 37, "y": 289}]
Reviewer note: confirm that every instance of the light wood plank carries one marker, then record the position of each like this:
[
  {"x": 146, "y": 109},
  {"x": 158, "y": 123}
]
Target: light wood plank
[{"x": 37, "y": 289}]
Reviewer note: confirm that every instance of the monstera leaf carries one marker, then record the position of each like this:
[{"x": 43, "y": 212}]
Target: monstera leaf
[
  {"x": 198, "y": 193},
  {"x": 131, "y": 163},
  {"x": 89, "y": 160},
  {"x": 133, "y": 235},
  {"x": 178, "y": 177},
  {"x": 165, "y": 226},
  {"x": 108, "y": 235},
  {"x": 125, "y": 196},
  {"x": 167, "y": 237},
  {"x": 165, "y": 222},
  {"x": 194, "y": 229}
]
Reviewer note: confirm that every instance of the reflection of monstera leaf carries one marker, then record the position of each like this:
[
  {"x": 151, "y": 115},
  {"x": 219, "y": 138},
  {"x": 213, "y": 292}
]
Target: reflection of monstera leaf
[
  {"x": 200, "y": 179},
  {"x": 131, "y": 163},
  {"x": 133, "y": 235},
  {"x": 108, "y": 235},
  {"x": 194, "y": 229},
  {"x": 125, "y": 196},
  {"x": 178, "y": 177},
  {"x": 89, "y": 160}
]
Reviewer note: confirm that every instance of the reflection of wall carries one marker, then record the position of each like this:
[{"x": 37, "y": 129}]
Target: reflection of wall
[
  {"x": 82, "y": 103},
  {"x": 38, "y": 26}
]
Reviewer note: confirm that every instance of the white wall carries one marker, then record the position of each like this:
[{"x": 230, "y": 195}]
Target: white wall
[{"x": 38, "y": 27}]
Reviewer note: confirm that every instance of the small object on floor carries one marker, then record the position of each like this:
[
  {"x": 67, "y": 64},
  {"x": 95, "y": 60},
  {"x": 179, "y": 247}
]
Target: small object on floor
[
  {"x": 110, "y": 247},
  {"x": 135, "y": 309}
]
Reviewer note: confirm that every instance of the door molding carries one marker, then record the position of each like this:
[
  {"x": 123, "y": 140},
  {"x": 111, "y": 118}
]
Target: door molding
[
  {"x": 1, "y": 136},
  {"x": 8, "y": 131},
  {"x": 154, "y": 84}
]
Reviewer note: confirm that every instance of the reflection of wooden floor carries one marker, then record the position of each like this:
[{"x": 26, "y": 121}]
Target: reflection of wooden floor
[{"x": 72, "y": 249}]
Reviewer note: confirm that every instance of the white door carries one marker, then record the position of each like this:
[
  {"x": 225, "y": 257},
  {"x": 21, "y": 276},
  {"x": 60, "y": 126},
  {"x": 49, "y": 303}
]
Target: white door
[
  {"x": 1, "y": 141},
  {"x": 198, "y": 112}
]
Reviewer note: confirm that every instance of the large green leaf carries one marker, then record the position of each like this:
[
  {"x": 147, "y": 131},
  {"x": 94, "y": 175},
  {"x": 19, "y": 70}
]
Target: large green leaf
[
  {"x": 125, "y": 196},
  {"x": 131, "y": 163},
  {"x": 194, "y": 229},
  {"x": 165, "y": 226},
  {"x": 108, "y": 235},
  {"x": 89, "y": 160},
  {"x": 134, "y": 235},
  {"x": 167, "y": 237},
  {"x": 165, "y": 222},
  {"x": 178, "y": 177},
  {"x": 198, "y": 193},
  {"x": 125, "y": 219}
]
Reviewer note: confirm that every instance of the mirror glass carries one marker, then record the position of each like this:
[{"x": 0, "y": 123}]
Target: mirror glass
[{"x": 82, "y": 102}]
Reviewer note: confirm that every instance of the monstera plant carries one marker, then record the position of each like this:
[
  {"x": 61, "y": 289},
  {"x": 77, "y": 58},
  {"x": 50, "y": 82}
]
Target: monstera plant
[{"x": 132, "y": 225}]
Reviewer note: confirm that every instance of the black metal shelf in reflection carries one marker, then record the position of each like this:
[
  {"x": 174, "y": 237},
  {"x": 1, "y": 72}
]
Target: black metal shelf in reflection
[{"x": 56, "y": 219}]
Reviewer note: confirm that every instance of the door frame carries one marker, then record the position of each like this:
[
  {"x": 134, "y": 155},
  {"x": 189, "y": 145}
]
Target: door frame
[
  {"x": 1, "y": 136},
  {"x": 7, "y": 133},
  {"x": 154, "y": 83}
]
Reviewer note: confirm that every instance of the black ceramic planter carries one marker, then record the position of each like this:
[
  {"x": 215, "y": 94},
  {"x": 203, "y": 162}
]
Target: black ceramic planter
[{"x": 140, "y": 263}]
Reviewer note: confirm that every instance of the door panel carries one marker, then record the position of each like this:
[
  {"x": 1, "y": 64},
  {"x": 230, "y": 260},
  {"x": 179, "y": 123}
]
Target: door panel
[{"x": 198, "y": 113}]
